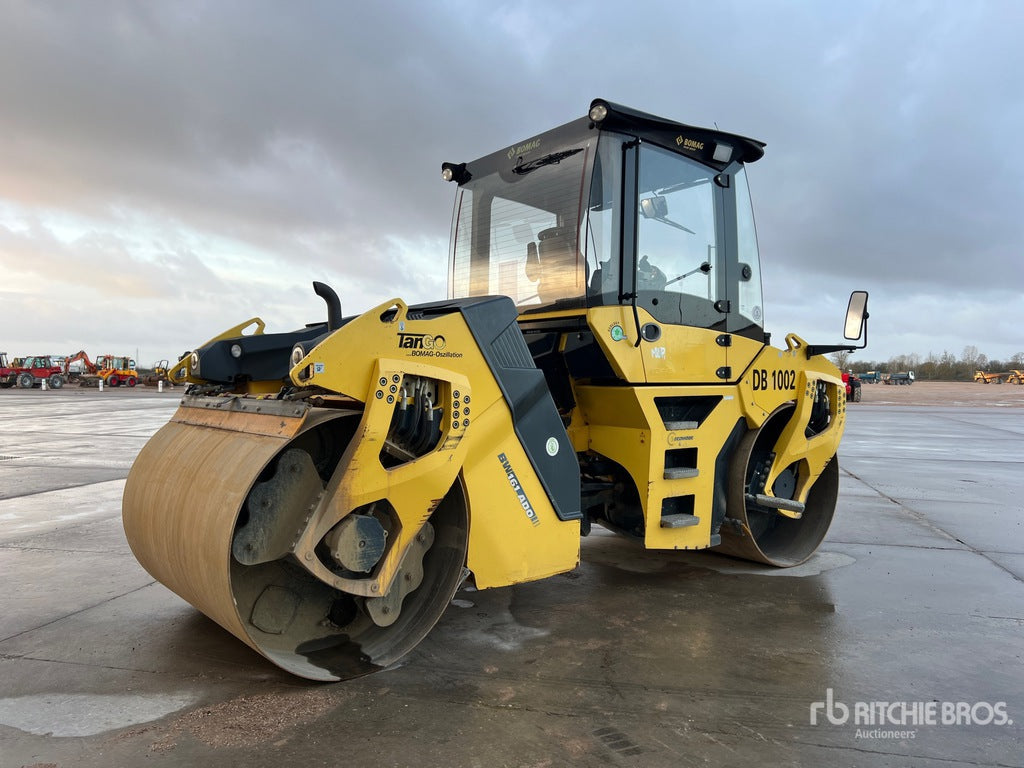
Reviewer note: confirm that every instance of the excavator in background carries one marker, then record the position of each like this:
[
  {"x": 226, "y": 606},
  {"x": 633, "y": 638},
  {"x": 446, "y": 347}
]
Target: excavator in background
[
  {"x": 601, "y": 358},
  {"x": 109, "y": 369},
  {"x": 76, "y": 373}
]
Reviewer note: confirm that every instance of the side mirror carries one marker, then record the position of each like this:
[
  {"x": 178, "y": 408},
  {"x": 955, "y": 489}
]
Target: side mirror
[
  {"x": 856, "y": 327},
  {"x": 856, "y": 315}
]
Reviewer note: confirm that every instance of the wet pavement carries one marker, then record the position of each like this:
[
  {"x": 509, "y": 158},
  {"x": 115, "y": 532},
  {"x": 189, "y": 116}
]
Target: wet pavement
[{"x": 902, "y": 638}]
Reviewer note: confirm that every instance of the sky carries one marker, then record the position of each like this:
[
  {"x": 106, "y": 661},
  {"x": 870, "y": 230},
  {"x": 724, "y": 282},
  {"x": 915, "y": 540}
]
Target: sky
[{"x": 169, "y": 170}]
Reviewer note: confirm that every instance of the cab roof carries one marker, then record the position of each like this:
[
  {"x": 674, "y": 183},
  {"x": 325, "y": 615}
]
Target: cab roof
[
  {"x": 687, "y": 139},
  {"x": 706, "y": 145}
]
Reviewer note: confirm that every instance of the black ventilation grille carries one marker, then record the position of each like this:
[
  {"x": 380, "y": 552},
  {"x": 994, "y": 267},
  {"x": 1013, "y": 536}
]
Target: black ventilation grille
[{"x": 686, "y": 410}]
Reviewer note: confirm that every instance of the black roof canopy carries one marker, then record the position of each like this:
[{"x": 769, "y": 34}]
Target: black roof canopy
[
  {"x": 712, "y": 147},
  {"x": 699, "y": 143}
]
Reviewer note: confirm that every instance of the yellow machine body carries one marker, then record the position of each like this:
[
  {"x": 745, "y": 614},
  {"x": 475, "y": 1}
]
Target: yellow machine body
[
  {"x": 322, "y": 494},
  {"x": 624, "y": 423},
  {"x": 196, "y": 487},
  {"x": 506, "y": 544}
]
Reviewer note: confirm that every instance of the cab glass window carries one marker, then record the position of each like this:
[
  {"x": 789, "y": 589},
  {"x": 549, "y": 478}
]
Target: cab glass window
[
  {"x": 604, "y": 223},
  {"x": 750, "y": 306},
  {"x": 678, "y": 264},
  {"x": 516, "y": 233}
]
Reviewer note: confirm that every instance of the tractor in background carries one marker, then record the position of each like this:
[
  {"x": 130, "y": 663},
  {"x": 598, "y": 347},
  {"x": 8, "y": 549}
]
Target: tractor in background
[
  {"x": 5, "y": 372},
  {"x": 31, "y": 372},
  {"x": 852, "y": 382}
]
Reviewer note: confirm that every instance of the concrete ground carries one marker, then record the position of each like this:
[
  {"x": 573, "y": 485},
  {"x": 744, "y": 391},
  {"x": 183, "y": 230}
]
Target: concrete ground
[{"x": 916, "y": 599}]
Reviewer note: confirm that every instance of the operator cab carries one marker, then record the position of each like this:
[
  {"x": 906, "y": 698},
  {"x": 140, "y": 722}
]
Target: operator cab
[{"x": 617, "y": 208}]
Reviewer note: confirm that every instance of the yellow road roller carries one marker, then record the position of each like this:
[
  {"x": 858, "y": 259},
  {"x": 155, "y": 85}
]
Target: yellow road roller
[{"x": 601, "y": 358}]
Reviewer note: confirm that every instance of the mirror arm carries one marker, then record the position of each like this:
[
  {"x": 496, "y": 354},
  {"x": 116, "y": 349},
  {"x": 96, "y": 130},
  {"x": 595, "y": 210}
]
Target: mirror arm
[{"x": 824, "y": 349}]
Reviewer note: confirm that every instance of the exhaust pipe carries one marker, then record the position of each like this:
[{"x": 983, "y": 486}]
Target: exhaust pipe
[{"x": 327, "y": 293}]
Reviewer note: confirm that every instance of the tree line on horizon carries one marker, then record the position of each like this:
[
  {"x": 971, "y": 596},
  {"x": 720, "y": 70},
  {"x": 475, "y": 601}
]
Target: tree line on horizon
[{"x": 944, "y": 367}]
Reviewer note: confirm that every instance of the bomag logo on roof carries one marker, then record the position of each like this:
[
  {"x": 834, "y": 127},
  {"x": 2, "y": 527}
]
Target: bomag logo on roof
[
  {"x": 425, "y": 345},
  {"x": 522, "y": 148},
  {"x": 690, "y": 144}
]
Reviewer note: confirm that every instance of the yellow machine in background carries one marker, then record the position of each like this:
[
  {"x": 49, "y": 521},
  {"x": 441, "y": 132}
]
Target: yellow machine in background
[
  {"x": 116, "y": 371},
  {"x": 601, "y": 358},
  {"x": 989, "y": 378}
]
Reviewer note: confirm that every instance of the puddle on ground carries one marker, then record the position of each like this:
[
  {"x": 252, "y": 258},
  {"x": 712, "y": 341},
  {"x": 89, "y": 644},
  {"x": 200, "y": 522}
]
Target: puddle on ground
[
  {"x": 815, "y": 566},
  {"x": 85, "y": 714}
]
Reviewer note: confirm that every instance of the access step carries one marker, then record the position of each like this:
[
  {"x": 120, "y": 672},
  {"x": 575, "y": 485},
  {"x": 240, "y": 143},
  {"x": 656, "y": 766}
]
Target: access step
[
  {"x": 679, "y": 521},
  {"x": 673, "y": 426},
  {"x": 678, "y": 473}
]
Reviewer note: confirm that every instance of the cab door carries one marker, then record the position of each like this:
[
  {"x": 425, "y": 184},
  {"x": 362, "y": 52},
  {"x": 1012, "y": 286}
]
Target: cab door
[
  {"x": 681, "y": 261},
  {"x": 745, "y": 317}
]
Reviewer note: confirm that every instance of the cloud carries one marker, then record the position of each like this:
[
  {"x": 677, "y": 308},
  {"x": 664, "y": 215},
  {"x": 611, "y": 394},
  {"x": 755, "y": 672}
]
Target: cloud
[
  {"x": 195, "y": 160},
  {"x": 103, "y": 264}
]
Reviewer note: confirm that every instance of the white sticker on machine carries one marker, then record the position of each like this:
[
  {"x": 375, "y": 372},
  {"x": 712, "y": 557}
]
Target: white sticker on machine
[{"x": 552, "y": 446}]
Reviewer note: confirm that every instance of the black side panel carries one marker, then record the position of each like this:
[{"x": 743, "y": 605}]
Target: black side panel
[
  {"x": 265, "y": 357},
  {"x": 492, "y": 321},
  {"x": 585, "y": 359},
  {"x": 545, "y": 354},
  {"x": 686, "y": 407}
]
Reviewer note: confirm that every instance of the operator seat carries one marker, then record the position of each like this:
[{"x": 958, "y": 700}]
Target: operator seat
[{"x": 553, "y": 263}]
